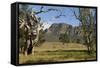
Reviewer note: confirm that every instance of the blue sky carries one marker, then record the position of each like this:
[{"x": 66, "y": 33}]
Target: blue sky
[{"x": 49, "y": 17}]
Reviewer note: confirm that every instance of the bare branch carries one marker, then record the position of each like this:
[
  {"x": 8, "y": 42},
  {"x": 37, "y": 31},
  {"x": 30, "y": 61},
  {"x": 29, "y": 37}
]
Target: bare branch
[
  {"x": 44, "y": 11},
  {"x": 60, "y": 15},
  {"x": 75, "y": 14}
]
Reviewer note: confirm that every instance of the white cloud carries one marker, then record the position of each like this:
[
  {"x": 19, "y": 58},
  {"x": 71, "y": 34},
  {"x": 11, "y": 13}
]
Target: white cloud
[{"x": 46, "y": 25}]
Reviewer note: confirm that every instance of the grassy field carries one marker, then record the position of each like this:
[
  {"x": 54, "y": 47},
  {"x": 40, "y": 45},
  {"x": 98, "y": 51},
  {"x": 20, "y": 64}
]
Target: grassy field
[{"x": 55, "y": 52}]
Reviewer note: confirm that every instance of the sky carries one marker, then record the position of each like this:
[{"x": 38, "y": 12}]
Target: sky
[{"x": 49, "y": 18}]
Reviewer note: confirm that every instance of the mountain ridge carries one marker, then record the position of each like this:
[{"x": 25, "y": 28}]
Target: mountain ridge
[{"x": 54, "y": 31}]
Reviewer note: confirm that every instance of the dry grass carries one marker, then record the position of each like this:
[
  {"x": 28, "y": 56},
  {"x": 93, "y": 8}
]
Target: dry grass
[
  {"x": 55, "y": 51},
  {"x": 58, "y": 46}
]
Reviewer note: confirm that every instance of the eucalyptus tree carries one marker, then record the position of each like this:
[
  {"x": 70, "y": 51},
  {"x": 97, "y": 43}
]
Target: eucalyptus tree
[
  {"x": 87, "y": 19},
  {"x": 30, "y": 28}
]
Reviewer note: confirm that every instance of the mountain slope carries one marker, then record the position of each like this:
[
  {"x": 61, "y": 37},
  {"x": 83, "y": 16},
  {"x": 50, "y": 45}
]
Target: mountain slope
[{"x": 55, "y": 30}]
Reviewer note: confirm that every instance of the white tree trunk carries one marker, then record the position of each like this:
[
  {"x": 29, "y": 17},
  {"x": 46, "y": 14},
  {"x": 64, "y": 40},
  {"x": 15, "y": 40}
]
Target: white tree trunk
[{"x": 33, "y": 50}]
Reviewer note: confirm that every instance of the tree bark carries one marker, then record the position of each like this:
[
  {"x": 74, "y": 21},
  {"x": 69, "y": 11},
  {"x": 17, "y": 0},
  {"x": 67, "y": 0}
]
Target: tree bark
[
  {"x": 29, "y": 50},
  {"x": 33, "y": 50}
]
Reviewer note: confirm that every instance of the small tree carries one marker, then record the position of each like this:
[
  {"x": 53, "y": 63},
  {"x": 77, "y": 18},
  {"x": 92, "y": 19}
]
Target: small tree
[{"x": 64, "y": 38}]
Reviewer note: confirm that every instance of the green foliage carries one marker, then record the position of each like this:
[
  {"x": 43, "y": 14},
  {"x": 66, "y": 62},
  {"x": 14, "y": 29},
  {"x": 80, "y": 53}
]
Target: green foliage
[{"x": 88, "y": 32}]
